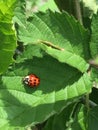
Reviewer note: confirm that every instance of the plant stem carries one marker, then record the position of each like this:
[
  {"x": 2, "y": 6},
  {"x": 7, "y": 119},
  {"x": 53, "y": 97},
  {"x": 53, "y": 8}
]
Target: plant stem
[
  {"x": 78, "y": 11},
  {"x": 87, "y": 101}
]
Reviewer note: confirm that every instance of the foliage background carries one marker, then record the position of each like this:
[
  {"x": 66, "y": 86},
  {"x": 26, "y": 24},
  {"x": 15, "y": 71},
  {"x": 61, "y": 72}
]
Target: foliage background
[{"x": 57, "y": 48}]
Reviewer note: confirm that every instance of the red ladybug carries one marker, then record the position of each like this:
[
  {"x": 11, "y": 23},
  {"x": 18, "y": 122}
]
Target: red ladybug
[{"x": 31, "y": 80}]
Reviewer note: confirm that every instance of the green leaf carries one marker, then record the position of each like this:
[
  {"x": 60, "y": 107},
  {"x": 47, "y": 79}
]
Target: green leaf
[
  {"x": 93, "y": 119},
  {"x": 94, "y": 36},
  {"x": 66, "y": 37},
  {"x": 60, "y": 120},
  {"x": 80, "y": 121},
  {"x": 60, "y": 85},
  {"x": 7, "y": 34}
]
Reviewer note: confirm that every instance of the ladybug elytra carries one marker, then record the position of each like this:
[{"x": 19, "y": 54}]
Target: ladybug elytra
[{"x": 31, "y": 80}]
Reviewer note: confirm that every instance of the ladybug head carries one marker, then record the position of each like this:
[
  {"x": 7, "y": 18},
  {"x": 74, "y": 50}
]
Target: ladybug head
[{"x": 26, "y": 80}]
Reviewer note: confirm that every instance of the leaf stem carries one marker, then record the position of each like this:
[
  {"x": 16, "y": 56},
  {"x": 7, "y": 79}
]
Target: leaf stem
[{"x": 50, "y": 44}]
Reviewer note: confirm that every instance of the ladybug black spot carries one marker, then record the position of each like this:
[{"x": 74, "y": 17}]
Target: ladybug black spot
[{"x": 34, "y": 83}]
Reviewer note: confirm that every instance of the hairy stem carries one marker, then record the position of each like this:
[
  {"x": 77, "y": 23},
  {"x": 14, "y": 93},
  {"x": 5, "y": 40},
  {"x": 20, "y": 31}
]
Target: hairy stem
[{"x": 78, "y": 11}]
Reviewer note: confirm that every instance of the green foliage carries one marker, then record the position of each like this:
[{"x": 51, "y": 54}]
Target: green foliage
[
  {"x": 55, "y": 47},
  {"x": 66, "y": 36},
  {"x": 7, "y": 34}
]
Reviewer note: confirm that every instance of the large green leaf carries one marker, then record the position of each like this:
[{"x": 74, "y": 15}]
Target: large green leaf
[
  {"x": 7, "y": 34},
  {"x": 60, "y": 85},
  {"x": 60, "y": 35}
]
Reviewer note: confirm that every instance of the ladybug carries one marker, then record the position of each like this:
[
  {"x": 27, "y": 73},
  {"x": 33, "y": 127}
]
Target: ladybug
[{"x": 31, "y": 80}]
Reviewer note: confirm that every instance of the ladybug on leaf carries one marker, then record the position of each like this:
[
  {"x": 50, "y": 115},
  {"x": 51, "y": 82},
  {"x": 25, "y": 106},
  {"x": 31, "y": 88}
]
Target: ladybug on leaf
[{"x": 31, "y": 80}]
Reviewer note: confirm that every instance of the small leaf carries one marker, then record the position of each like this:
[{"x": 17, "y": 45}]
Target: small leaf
[{"x": 80, "y": 121}]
